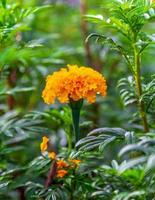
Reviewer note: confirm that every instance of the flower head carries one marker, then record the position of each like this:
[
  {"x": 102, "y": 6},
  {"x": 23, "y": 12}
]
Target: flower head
[
  {"x": 74, "y": 83},
  {"x": 44, "y": 144},
  {"x": 61, "y": 173},
  {"x": 61, "y": 164}
]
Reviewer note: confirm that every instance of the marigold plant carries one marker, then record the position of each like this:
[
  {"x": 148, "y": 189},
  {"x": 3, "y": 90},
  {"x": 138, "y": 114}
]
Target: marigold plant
[{"x": 71, "y": 85}]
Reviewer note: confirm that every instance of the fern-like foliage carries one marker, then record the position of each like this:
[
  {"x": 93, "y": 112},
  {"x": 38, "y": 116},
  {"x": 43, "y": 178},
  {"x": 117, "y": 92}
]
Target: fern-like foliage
[
  {"x": 128, "y": 18},
  {"x": 131, "y": 15},
  {"x": 126, "y": 88},
  {"x": 149, "y": 96},
  {"x": 101, "y": 137},
  {"x": 128, "y": 95},
  {"x": 53, "y": 193},
  {"x": 11, "y": 124},
  {"x": 139, "y": 153},
  {"x": 12, "y": 19}
]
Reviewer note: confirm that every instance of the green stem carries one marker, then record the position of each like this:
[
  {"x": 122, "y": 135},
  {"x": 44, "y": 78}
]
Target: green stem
[
  {"x": 76, "y": 118},
  {"x": 73, "y": 187},
  {"x": 137, "y": 77},
  {"x": 69, "y": 140},
  {"x": 76, "y": 108}
]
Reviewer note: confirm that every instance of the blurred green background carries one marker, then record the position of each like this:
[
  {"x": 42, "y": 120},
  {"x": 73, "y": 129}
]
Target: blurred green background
[{"x": 38, "y": 37}]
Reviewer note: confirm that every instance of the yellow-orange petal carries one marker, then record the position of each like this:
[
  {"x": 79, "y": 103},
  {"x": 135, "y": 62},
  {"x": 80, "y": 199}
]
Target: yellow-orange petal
[
  {"x": 74, "y": 83},
  {"x": 61, "y": 173},
  {"x": 52, "y": 155},
  {"x": 44, "y": 144},
  {"x": 61, "y": 164},
  {"x": 75, "y": 161}
]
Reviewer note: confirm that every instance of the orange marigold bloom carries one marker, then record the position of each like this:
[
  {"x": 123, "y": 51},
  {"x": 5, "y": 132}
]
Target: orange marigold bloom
[
  {"x": 44, "y": 144},
  {"x": 61, "y": 173},
  {"x": 61, "y": 164},
  {"x": 75, "y": 161},
  {"x": 52, "y": 155},
  {"x": 74, "y": 83}
]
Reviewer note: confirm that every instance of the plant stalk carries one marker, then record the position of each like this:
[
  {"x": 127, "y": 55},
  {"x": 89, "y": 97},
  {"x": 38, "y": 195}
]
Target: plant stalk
[
  {"x": 69, "y": 141},
  {"x": 138, "y": 82},
  {"x": 73, "y": 187},
  {"x": 76, "y": 108},
  {"x": 51, "y": 175}
]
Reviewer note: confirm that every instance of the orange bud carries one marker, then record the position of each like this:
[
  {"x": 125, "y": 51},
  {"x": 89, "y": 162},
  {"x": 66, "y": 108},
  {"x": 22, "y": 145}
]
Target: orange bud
[{"x": 44, "y": 144}]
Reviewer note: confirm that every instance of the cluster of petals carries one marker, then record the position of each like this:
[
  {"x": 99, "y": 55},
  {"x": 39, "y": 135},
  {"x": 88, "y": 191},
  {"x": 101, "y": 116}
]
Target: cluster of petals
[
  {"x": 62, "y": 166},
  {"x": 74, "y": 83}
]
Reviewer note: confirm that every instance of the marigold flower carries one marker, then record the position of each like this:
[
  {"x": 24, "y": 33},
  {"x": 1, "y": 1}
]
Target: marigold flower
[
  {"x": 75, "y": 161},
  {"x": 74, "y": 83},
  {"x": 61, "y": 173},
  {"x": 44, "y": 144},
  {"x": 52, "y": 155},
  {"x": 61, "y": 164}
]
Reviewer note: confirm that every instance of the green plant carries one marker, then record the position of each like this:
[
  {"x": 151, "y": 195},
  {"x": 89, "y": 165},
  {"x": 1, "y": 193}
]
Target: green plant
[{"x": 128, "y": 18}]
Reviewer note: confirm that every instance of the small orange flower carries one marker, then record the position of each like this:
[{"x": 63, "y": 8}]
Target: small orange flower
[
  {"x": 74, "y": 83},
  {"x": 61, "y": 164},
  {"x": 75, "y": 161},
  {"x": 52, "y": 155},
  {"x": 44, "y": 144},
  {"x": 61, "y": 173}
]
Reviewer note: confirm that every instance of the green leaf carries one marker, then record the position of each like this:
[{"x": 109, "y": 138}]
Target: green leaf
[
  {"x": 132, "y": 148},
  {"x": 127, "y": 195},
  {"x": 131, "y": 163},
  {"x": 150, "y": 165}
]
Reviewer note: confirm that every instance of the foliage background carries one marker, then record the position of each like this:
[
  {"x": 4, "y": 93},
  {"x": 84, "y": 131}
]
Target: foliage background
[{"x": 37, "y": 38}]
